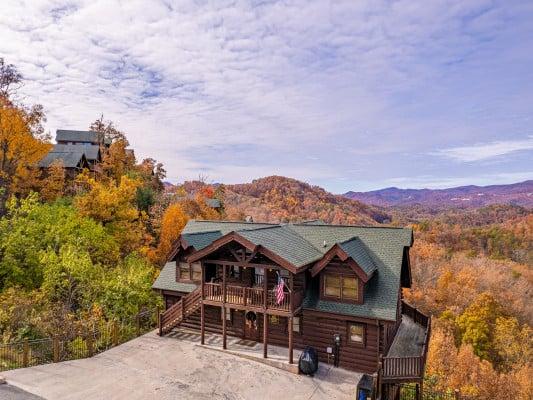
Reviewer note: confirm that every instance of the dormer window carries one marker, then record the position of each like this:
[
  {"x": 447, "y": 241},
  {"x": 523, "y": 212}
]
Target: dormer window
[{"x": 340, "y": 287}]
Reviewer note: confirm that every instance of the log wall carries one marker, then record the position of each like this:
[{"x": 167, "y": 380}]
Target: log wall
[{"x": 317, "y": 330}]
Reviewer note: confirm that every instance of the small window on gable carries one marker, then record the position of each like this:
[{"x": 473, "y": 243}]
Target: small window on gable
[
  {"x": 356, "y": 333},
  {"x": 349, "y": 288},
  {"x": 332, "y": 285},
  {"x": 341, "y": 287},
  {"x": 184, "y": 271}
]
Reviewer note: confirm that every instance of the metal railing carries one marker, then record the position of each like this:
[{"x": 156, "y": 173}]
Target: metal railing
[{"x": 28, "y": 353}]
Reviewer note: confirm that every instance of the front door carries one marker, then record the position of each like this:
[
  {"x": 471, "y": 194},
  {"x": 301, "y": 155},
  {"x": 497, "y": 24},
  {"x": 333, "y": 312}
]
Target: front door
[{"x": 251, "y": 330}]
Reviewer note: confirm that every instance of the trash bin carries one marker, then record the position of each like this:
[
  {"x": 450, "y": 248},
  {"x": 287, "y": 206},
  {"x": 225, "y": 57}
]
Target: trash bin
[
  {"x": 364, "y": 388},
  {"x": 308, "y": 362}
]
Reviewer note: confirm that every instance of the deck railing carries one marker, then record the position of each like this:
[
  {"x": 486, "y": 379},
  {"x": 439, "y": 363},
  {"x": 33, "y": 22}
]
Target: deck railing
[{"x": 250, "y": 296}]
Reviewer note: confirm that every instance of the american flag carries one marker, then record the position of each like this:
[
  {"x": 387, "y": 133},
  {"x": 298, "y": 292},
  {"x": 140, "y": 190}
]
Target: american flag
[{"x": 280, "y": 294}]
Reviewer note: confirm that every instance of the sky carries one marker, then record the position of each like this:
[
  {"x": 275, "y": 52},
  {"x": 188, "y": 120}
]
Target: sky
[{"x": 347, "y": 95}]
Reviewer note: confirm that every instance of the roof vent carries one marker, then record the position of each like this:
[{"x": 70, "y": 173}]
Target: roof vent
[{"x": 325, "y": 244}]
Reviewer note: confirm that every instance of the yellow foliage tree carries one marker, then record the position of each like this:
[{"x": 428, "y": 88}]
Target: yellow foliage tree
[
  {"x": 53, "y": 183},
  {"x": 173, "y": 221},
  {"x": 117, "y": 161},
  {"x": 20, "y": 151},
  {"x": 114, "y": 206}
]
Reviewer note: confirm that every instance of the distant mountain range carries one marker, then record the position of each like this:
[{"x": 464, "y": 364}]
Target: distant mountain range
[{"x": 463, "y": 196}]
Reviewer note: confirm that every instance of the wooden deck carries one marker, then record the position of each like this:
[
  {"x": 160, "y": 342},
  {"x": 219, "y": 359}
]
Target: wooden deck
[
  {"x": 406, "y": 358},
  {"x": 409, "y": 340}
]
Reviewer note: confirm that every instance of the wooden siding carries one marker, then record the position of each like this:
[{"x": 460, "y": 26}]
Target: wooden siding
[{"x": 316, "y": 330}]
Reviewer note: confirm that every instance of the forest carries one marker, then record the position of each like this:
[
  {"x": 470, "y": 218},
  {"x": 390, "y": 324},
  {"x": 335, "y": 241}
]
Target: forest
[{"x": 74, "y": 253}]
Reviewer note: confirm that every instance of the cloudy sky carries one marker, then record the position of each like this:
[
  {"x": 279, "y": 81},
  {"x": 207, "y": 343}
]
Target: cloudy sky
[{"x": 353, "y": 95}]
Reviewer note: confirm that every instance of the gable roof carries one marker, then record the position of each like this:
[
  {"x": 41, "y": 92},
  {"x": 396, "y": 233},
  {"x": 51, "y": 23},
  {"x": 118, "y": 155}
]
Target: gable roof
[
  {"x": 378, "y": 250},
  {"x": 91, "y": 151},
  {"x": 65, "y": 135},
  {"x": 70, "y": 159},
  {"x": 352, "y": 251}
]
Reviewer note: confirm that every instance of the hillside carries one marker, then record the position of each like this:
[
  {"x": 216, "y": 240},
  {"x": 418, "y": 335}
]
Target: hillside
[
  {"x": 464, "y": 196},
  {"x": 278, "y": 198}
]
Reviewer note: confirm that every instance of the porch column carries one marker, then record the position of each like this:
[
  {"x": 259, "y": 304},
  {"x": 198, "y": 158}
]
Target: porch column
[
  {"x": 265, "y": 334},
  {"x": 291, "y": 308},
  {"x": 224, "y": 343},
  {"x": 265, "y": 316},
  {"x": 291, "y": 358},
  {"x": 291, "y": 294},
  {"x": 202, "y": 311}
]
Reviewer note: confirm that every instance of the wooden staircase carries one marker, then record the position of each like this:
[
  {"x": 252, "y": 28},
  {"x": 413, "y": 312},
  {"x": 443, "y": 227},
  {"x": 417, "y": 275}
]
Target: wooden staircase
[{"x": 177, "y": 313}]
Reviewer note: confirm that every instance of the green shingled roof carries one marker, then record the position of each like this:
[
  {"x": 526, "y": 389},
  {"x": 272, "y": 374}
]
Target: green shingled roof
[
  {"x": 167, "y": 280},
  {"x": 377, "y": 250},
  {"x": 356, "y": 249}
]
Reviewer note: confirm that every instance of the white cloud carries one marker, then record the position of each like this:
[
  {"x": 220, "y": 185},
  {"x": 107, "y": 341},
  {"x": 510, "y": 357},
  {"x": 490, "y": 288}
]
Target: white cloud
[
  {"x": 484, "y": 151},
  {"x": 318, "y": 88}
]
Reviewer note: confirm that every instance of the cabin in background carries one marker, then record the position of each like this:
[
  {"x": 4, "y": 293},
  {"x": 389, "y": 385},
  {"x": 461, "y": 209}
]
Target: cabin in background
[{"x": 335, "y": 288}]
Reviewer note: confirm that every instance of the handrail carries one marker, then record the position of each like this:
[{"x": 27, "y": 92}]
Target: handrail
[{"x": 250, "y": 296}]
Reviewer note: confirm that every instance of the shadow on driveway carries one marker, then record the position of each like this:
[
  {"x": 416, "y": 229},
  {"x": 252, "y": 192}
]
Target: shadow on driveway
[{"x": 8, "y": 392}]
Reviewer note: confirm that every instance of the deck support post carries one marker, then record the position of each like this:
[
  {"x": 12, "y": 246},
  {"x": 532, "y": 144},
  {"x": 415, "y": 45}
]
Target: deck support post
[
  {"x": 291, "y": 355},
  {"x": 265, "y": 316},
  {"x": 224, "y": 339},
  {"x": 265, "y": 335},
  {"x": 202, "y": 310}
]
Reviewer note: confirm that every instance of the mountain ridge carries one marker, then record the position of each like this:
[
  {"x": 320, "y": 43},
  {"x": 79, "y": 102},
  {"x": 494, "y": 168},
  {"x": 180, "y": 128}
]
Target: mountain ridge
[{"x": 520, "y": 193}]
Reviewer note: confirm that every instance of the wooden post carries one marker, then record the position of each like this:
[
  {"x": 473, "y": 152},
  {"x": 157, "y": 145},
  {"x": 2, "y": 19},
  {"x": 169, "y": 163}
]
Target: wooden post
[
  {"x": 114, "y": 333},
  {"x": 291, "y": 358},
  {"x": 138, "y": 324},
  {"x": 265, "y": 288},
  {"x": 291, "y": 292},
  {"x": 90, "y": 345},
  {"x": 457, "y": 394},
  {"x": 224, "y": 342},
  {"x": 159, "y": 318},
  {"x": 25, "y": 353},
  {"x": 55, "y": 348},
  {"x": 202, "y": 311},
  {"x": 265, "y": 334}
]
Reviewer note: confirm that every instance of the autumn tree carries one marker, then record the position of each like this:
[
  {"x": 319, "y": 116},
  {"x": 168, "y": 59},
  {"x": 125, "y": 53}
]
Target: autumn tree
[
  {"x": 107, "y": 130},
  {"x": 117, "y": 161},
  {"x": 114, "y": 205},
  {"x": 173, "y": 221},
  {"x": 53, "y": 183},
  {"x": 22, "y": 143}
]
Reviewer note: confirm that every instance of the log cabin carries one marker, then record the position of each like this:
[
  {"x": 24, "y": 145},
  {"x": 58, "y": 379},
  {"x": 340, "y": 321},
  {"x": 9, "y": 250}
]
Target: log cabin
[{"x": 342, "y": 292}]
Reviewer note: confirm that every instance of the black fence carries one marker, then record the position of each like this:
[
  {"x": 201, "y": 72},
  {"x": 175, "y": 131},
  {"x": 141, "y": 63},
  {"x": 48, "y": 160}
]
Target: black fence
[
  {"x": 409, "y": 392},
  {"x": 99, "y": 338}
]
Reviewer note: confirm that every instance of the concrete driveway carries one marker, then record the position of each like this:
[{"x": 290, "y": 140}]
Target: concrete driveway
[{"x": 153, "y": 367}]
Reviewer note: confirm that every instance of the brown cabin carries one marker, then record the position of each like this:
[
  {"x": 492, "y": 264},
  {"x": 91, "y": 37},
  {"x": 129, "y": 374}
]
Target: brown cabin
[{"x": 342, "y": 292}]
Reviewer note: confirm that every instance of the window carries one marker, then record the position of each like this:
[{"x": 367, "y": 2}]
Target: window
[
  {"x": 349, "y": 288},
  {"x": 356, "y": 333},
  {"x": 296, "y": 324},
  {"x": 184, "y": 271},
  {"x": 332, "y": 285},
  {"x": 341, "y": 287},
  {"x": 196, "y": 271}
]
